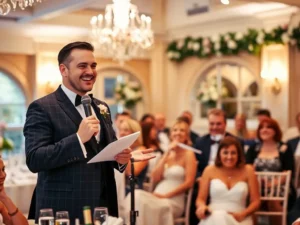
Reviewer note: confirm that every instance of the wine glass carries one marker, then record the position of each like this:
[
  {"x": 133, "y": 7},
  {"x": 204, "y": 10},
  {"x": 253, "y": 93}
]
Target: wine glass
[
  {"x": 100, "y": 216},
  {"x": 62, "y": 218},
  {"x": 46, "y": 217}
]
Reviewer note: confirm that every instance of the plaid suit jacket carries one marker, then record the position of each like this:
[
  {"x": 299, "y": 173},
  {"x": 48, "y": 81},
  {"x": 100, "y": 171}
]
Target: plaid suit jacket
[{"x": 65, "y": 180}]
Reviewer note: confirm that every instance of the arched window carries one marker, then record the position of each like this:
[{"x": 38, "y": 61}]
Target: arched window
[
  {"x": 12, "y": 110},
  {"x": 242, "y": 90},
  {"x": 104, "y": 89}
]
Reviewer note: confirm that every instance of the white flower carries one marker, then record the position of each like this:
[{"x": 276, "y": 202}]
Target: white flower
[
  {"x": 227, "y": 37},
  {"x": 1, "y": 142},
  {"x": 170, "y": 55},
  {"x": 232, "y": 44},
  {"x": 250, "y": 47},
  {"x": 217, "y": 46},
  {"x": 285, "y": 38},
  {"x": 103, "y": 110},
  {"x": 205, "y": 98},
  {"x": 239, "y": 36},
  {"x": 216, "y": 38},
  {"x": 129, "y": 93},
  {"x": 196, "y": 46},
  {"x": 214, "y": 96},
  {"x": 190, "y": 45},
  {"x": 259, "y": 40},
  {"x": 206, "y": 42},
  {"x": 180, "y": 44}
]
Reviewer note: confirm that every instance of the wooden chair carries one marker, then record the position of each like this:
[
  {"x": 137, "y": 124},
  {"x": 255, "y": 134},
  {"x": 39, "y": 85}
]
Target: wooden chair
[
  {"x": 185, "y": 219},
  {"x": 274, "y": 193}
]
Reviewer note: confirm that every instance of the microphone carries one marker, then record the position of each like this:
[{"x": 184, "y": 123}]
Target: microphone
[{"x": 86, "y": 102}]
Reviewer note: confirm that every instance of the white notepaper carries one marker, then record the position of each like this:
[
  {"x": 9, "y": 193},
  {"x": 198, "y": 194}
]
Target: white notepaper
[
  {"x": 189, "y": 148},
  {"x": 114, "y": 148}
]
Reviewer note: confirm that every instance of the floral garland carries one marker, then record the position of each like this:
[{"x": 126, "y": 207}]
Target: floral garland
[
  {"x": 5, "y": 143},
  {"x": 232, "y": 43},
  {"x": 208, "y": 93},
  {"x": 128, "y": 94}
]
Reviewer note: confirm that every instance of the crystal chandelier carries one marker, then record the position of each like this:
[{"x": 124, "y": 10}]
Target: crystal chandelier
[
  {"x": 5, "y": 7},
  {"x": 122, "y": 33}
]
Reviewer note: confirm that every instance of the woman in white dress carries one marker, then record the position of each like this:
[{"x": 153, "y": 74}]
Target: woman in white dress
[
  {"x": 174, "y": 175},
  {"x": 228, "y": 183}
]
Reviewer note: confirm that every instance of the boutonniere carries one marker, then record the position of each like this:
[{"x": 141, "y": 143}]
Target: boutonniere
[
  {"x": 103, "y": 110},
  {"x": 283, "y": 148}
]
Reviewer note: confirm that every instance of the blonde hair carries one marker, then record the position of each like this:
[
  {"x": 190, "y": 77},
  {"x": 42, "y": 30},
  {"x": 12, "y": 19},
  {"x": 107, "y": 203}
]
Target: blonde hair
[
  {"x": 134, "y": 126},
  {"x": 182, "y": 121}
]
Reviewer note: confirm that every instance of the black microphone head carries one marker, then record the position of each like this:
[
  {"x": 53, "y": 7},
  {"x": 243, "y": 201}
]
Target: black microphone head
[{"x": 86, "y": 100}]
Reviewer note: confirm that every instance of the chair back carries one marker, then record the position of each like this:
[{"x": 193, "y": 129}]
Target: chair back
[
  {"x": 185, "y": 219},
  {"x": 277, "y": 191}
]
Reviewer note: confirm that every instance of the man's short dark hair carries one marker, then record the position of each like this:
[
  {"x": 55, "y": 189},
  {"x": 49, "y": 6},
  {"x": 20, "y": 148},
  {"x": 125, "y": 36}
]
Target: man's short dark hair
[
  {"x": 124, "y": 113},
  {"x": 64, "y": 53},
  {"x": 263, "y": 112}
]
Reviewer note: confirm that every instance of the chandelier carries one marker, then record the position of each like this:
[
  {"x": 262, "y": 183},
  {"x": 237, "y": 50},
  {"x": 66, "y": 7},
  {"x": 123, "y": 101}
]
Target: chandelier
[
  {"x": 122, "y": 33},
  {"x": 5, "y": 7}
]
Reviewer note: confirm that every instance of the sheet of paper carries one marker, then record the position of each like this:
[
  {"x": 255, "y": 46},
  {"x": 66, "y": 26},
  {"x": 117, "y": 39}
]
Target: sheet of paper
[
  {"x": 114, "y": 148},
  {"x": 189, "y": 148}
]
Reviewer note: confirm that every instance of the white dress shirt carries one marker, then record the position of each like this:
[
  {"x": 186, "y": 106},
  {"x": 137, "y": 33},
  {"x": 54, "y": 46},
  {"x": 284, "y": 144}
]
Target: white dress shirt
[
  {"x": 214, "y": 149},
  {"x": 72, "y": 96}
]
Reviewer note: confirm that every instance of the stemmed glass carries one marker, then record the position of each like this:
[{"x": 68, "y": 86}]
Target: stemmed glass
[
  {"x": 100, "y": 216},
  {"x": 46, "y": 217}
]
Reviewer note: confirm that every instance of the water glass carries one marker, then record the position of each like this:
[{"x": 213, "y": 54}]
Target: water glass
[
  {"x": 62, "y": 218},
  {"x": 100, "y": 216},
  {"x": 46, "y": 217}
]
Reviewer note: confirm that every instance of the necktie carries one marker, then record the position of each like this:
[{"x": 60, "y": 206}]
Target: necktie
[{"x": 78, "y": 99}]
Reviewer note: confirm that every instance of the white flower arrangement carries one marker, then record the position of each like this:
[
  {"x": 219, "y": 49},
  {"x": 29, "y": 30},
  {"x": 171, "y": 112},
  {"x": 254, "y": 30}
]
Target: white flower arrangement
[
  {"x": 128, "y": 94},
  {"x": 208, "y": 91}
]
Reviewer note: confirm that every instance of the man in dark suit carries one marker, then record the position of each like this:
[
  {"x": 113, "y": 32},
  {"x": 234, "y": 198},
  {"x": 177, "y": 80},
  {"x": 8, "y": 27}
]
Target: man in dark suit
[
  {"x": 208, "y": 144},
  {"x": 294, "y": 142},
  {"x": 60, "y": 140}
]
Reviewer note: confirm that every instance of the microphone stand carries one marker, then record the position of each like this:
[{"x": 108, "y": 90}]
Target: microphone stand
[{"x": 133, "y": 213}]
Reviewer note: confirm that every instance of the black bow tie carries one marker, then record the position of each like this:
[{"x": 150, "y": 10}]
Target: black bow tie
[
  {"x": 212, "y": 142},
  {"x": 78, "y": 99}
]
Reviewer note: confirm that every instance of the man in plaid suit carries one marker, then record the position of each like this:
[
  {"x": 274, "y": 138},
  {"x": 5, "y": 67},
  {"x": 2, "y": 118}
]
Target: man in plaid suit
[{"x": 60, "y": 140}]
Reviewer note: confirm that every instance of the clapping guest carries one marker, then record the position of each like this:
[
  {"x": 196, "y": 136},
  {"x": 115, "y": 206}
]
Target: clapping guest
[
  {"x": 162, "y": 131},
  {"x": 193, "y": 135},
  {"x": 174, "y": 175},
  {"x": 9, "y": 213},
  {"x": 271, "y": 154}
]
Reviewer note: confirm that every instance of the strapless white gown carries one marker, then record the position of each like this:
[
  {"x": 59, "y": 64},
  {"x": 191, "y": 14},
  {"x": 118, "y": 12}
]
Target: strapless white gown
[
  {"x": 160, "y": 211},
  {"x": 224, "y": 200}
]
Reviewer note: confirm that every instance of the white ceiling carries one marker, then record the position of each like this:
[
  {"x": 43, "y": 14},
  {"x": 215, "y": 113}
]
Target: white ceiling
[{"x": 61, "y": 18}]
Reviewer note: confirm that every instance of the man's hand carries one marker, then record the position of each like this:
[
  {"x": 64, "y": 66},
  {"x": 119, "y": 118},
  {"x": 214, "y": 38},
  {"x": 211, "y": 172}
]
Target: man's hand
[
  {"x": 143, "y": 155},
  {"x": 88, "y": 127},
  {"x": 124, "y": 156}
]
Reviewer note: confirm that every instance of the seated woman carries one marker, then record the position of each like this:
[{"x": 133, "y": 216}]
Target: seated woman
[
  {"x": 271, "y": 154},
  {"x": 241, "y": 131},
  {"x": 228, "y": 183},
  {"x": 127, "y": 127},
  {"x": 9, "y": 213},
  {"x": 175, "y": 175}
]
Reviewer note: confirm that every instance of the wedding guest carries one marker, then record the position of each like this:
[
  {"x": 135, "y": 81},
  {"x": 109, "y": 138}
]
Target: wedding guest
[
  {"x": 241, "y": 130},
  {"x": 127, "y": 127},
  {"x": 271, "y": 154},
  {"x": 228, "y": 183},
  {"x": 294, "y": 142},
  {"x": 162, "y": 131},
  {"x": 119, "y": 118},
  {"x": 174, "y": 175},
  {"x": 9, "y": 213},
  {"x": 147, "y": 117},
  {"x": 208, "y": 144},
  {"x": 262, "y": 114},
  {"x": 149, "y": 134},
  {"x": 193, "y": 135}
]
